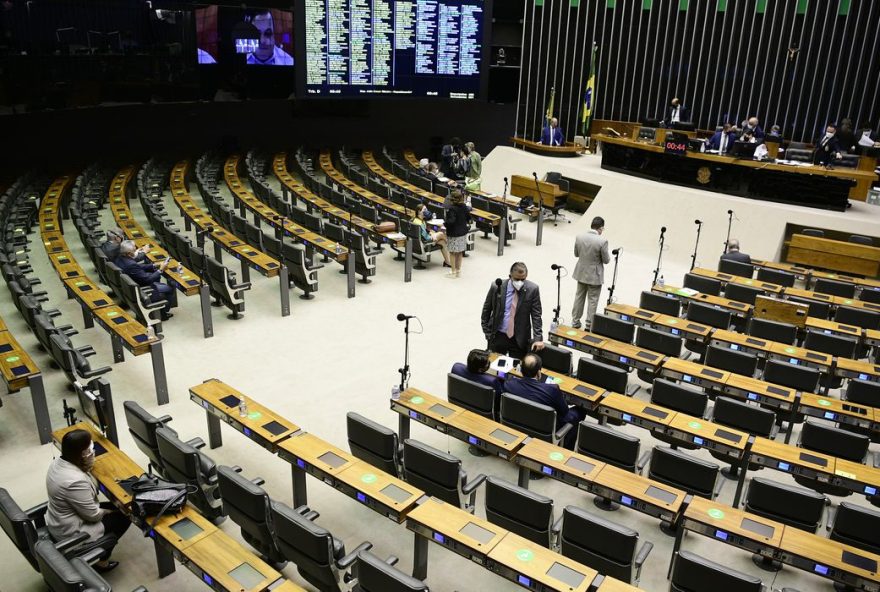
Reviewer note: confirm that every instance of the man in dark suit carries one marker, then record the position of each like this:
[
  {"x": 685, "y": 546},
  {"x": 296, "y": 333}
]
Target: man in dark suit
[
  {"x": 722, "y": 140},
  {"x": 511, "y": 316},
  {"x": 733, "y": 253},
  {"x": 827, "y": 147},
  {"x": 751, "y": 131},
  {"x": 146, "y": 275},
  {"x": 477, "y": 370},
  {"x": 532, "y": 387},
  {"x": 552, "y": 135},
  {"x": 676, "y": 112}
]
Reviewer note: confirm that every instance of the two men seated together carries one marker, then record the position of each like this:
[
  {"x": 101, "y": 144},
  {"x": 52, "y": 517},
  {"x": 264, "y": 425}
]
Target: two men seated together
[
  {"x": 532, "y": 386},
  {"x": 132, "y": 262}
]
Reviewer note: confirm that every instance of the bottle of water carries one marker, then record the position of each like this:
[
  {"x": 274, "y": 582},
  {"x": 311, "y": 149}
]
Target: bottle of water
[
  {"x": 179, "y": 268},
  {"x": 553, "y": 326},
  {"x": 151, "y": 332},
  {"x": 242, "y": 408},
  {"x": 661, "y": 282},
  {"x": 338, "y": 248},
  {"x": 395, "y": 392}
]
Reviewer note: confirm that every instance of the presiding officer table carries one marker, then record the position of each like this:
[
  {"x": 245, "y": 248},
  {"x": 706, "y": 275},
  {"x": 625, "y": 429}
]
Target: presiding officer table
[{"x": 810, "y": 185}]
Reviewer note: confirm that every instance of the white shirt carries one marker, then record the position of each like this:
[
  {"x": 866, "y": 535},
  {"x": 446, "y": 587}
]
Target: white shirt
[
  {"x": 675, "y": 117},
  {"x": 722, "y": 145}
]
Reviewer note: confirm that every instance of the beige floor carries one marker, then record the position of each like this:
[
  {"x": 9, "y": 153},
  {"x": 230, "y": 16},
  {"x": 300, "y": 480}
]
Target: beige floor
[{"x": 333, "y": 355}]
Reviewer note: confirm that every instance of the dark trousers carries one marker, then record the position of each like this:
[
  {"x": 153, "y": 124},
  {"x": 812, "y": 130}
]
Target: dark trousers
[
  {"x": 503, "y": 344},
  {"x": 115, "y": 524},
  {"x": 164, "y": 292},
  {"x": 577, "y": 414}
]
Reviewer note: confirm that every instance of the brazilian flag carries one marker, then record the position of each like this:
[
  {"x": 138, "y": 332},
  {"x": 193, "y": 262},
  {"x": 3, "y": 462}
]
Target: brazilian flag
[{"x": 589, "y": 94}]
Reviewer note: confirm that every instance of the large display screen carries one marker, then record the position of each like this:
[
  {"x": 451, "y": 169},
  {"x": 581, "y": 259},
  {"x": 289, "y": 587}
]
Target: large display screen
[
  {"x": 373, "y": 48},
  {"x": 263, "y": 36}
]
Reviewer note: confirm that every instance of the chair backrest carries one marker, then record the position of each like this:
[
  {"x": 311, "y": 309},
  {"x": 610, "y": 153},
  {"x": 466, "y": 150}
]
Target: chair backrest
[
  {"x": 835, "y": 345},
  {"x": 857, "y": 316},
  {"x": 142, "y": 426},
  {"x": 799, "y": 378},
  {"x": 373, "y": 443},
  {"x": 659, "y": 303},
  {"x": 613, "y": 328},
  {"x": 535, "y": 419},
  {"x": 62, "y": 575},
  {"x": 596, "y": 542},
  {"x": 679, "y": 397},
  {"x": 17, "y": 526},
  {"x": 733, "y": 361},
  {"x": 863, "y": 392},
  {"x": 742, "y": 416},
  {"x": 693, "y": 573},
  {"x": 772, "y": 330},
  {"x": 702, "y": 284},
  {"x": 709, "y": 315},
  {"x": 603, "y": 443},
  {"x": 681, "y": 470},
  {"x": 606, "y": 376},
  {"x": 557, "y": 359},
  {"x": 817, "y": 309},
  {"x": 857, "y": 526},
  {"x": 374, "y": 575},
  {"x": 834, "y": 441},
  {"x": 871, "y": 295},
  {"x": 248, "y": 506},
  {"x": 835, "y": 288},
  {"x": 307, "y": 545},
  {"x": 180, "y": 460},
  {"x": 742, "y": 293},
  {"x": 776, "y": 276},
  {"x": 433, "y": 471},
  {"x": 519, "y": 510},
  {"x": 736, "y": 268},
  {"x": 784, "y": 503},
  {"x": 473, "y": 396},
  {"x": 659, "y": 341}
]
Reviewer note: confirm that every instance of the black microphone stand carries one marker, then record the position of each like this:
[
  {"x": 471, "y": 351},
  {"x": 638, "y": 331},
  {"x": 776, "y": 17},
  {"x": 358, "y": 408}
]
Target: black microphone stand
[
  {"x": 729, "y": 224},
  {"x": 540, "y": 233},
  {"x": 502, "y": 227},
  {"x": 616, "y": 254},
  {"x": 659, "y": 255},
  {"x": 558, "y": 308},
  {"x": 696, "y": 245},
  {"x": 404, "y": 372}
]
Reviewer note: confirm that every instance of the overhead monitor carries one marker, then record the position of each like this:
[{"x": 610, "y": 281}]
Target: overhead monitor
[
  {"x": 258, "y": 36},
  {"x": 207, "y": 42},
  {"x": 392, "y": 48}
]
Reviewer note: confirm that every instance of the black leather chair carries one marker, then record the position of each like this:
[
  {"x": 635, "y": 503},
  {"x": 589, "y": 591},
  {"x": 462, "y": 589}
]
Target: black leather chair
[
  {"x": 520, "y": 511},
  {"x": 184, "y": 463},
  {"x": 677, "y": 469},
  {"x": 837, "y": 442},
  {"x": 613, "y": 447},
  {"x": 772, "y": 330},
  {"x": 861, "y": 239},
  {"x": 535, "y": 419},
  {"x": 473, "y": 396},
  {"x": 375, "y": 575},
  {"x": 319, "y": 557},
  {"x": 871, "y": 295},
  {"x": 439, "y": 474},
  {"x": 373, "y": 443},
  {"x": 607, "y": 547},
  {"x": 658, "y": 341},
  {"x": 799, "y": 378},
  {"x": 817, "y": 309},
  {"x": 603, "y": 375},
  {"x": 813, "y": 232},
  {"x": 835, "y": 288},
  {"x": 63, "y": 575},
  {"x": 857, "y": 526},
  {"x": 863, "y": 392},
  {"x": 737, "y": 268},
  {"x": 142, "y": 426},
  {"x": 248, "y": 505},
  {"x": 557, "y": 359},
  {"x": 732, "y": 361},
  {"x": 746, "y": 418},
  {"x": 707, "y": 315},
  {"x": 857, "y": 316},
  {"x": 693, "y": 573},
  {"x": 742, "y": 293},
  {"x": 660, "y": 303},
  {"x": 702, "y": 284},
  {"x": 614, "y": 328},
  {"x": 834, "y": 345},
  {"x": 776, "y": 276},
  {"x": 679, "y": 397}
]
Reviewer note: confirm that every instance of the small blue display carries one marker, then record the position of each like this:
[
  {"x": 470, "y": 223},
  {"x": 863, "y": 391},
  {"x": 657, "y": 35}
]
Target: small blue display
[
  {"x": 439, "y": 538},
  {"x": 152, "y": 534},
  {"x": 734, "y": 346},
  {"x": 863, "y": 377},
  {"x": 361, "y": 497},
  {"x": 783, "y": 466},
  {"x": 624, "y": 317},
  {"x": 687, "y": 378},
  {"x": 624, "y": 360},
  {"x": 208, "y": 579},
  {"x": 247, "y": 432},
  {"x": 828, "y": 415},
  {"x": 676, "y": 332},
  {"x": 698, "y": 441},
  {"x": 472, "y": 440},
  {"x": 205, "y": 404},
  {"x": 793, "y": 361},
  {"x": 413, "y": 414},
  {"x": 626, "y": 500},
  {"x": 301, "y": 463},
  {"x": 870, "y": 490},
  {"x": 721, "y": 535},
  {"x": 752, "y": 397},
  {"x": 627, "y": 417},
  {"x": 547, "y": 470},
  {"x": 523, "y": 580},
  {"x": 569, "y": 343},
  {"x": 821, "y": 569}
]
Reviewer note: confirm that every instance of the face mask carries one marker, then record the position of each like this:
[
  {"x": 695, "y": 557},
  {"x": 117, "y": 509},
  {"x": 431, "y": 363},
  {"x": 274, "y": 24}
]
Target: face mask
[
  {"x": 89, "y": 459},
  {"x": 518, "y": 284},
  {"x": 829, "y": 134}
]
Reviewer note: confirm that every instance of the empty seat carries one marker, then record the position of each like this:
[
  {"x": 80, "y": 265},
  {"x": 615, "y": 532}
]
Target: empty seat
[
  {"x": 63, "y": 575},
  {"x": 817, "y": 309},
  {"x": 185, "y": 464},
  {"x": 693, "y": 573},
  {"x": 709, "y": 315},
  {"x": 535, "y": 419},
  {"x": 857, "y": 526},
  {"x": 608, "y": 445},
  {"x": 863, "y": 392},
  {"x": 746, "y": 418},
  {"x": 473, "y": 396},
  {"x": 557, "y": 359},
  {"x": 528, "y": 514},
  {"x": 677, "y": 469},
  {"x": 679, "y": 397},
  {"x": 742, "y": 293},
  {"x": 836, "y": 442},
  {"x": 799, "y": 378},
  {"x": 659, "y": 341},
  {"x": 776, "y": 276},
  {"x": 224, "y": 289},
  {"x": 247, "y": 504},
  {"x": 834, "y": 345},
  {"x": 800, "y": 508},
  {"x": 859, "y": 317},
  {"x": 607, "y": 547},
  {"x": 661, "y": 303},
  {"x": 702, "y": 284},
  {"x": 835, "y": 288},
  {"x": 373, "y": 443},
  {"x": 614, "y": 328},
  {"x": 603, "y": 375},
  {"x": 439, "y": 474},
  {"x": 375, "y": 575},
  {"x": 142, "y": 426},
  {"x": 871, "y": 295},
  {"x": 732, "y": 361},
  {"x": 772, "y": 330}
]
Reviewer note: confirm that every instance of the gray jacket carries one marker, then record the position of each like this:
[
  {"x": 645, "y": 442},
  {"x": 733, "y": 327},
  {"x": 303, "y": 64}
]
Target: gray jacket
[
  {"x": 527, "y": 325},
  {"x": 591, "y": 249},
  {"x": 73, "y": 502}
]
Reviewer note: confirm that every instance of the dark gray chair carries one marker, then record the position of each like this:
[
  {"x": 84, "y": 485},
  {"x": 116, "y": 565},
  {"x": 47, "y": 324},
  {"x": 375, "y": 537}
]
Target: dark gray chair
[
  {"x": 817, "y": 309},
  {"x": 661, "y": 303},
  {"x": 730, "y": 360},
  {"x": 857, "y": 316},
  {"x": 737, "y": 268},
  {"x": 707, "y": 315},
  {"x": 375, "y": 575},
  {"x": 693, "y": 573},
  {"x": 834, "y": 288},
  {"x": 609, "y": 446},
  {"x": 528, "y": 514},
  {"x": 142, "y": 426},
  {"x": 702, "y": 284},
  {"x": 248, "y": 505},
  {"x": 535, "y": 419},
  {"x": 677, "y": 469},
  {"x": 68, "y": 575},
  {"x": 871, "y": 295},
  {"x": 439, "y": 474},
  {"x": 742, "y": 293},
  {"x": 557, "y": 359},
  {"x": 832, "y": 441},
  {"x": 799, "y": 378},
  {"x": 776, "y": 276},
  {"x": 607, "y": 547},
  {"x": 861, "y": 239},
  {"x": 678, "y": 397},
  {"x": 184, "y": 463},
  {"x": 745, "y": 418},
  {"x": 815, "y": 232},
  {"x": 473, "y": 396},
  {"x": 857, "y": 526},
  {"x": 772, "y": 330},
  {"x": 373, "y": 443}
]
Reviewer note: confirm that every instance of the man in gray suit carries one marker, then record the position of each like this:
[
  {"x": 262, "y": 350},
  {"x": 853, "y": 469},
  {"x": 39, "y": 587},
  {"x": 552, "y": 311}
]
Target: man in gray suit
[
  {"x": 734, "y": 254},
  {"x": 511, "y": 316},
  {"x": 592, "y": 253}
]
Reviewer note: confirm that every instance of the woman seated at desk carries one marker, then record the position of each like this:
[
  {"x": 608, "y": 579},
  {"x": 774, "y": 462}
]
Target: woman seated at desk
[{"x": 423, "y": 214}]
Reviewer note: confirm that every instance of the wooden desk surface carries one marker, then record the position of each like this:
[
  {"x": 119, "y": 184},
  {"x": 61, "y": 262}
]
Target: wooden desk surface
[
  {"x": 632, "y": 312},
  {"x": 793, "y": 455},
  {"x": 688, "y": 368},
  {"x": 577, "y": 465},
  {"x": 731, "y": 520},
  {"x": 833, "y": 327},
  {"x": 735, "y": 279},
  {"x": 488, "y": 431},
  {"x": 826, "y": 552},
  {"x": 866, "y": 476},
  {"x": 88, "y": 293},
  {"x": 164, "y": 528},
  {"x": 739, "y": 308},
  {"x": 864, "y": 370},
  {"x": 310, "y": 448},
  {"x": 218, "y": 554},
  {"x": 837, "y": 410},
  {"x": 872, "y": 336},
  {"x": 16, "y": 365},
  {"x": 638, "y": 487},
  {"x": 214, "y": 391},
  {"x": 187, "y": 279},
  {"x": 567, "y": 149},
  {"x": 440, "y": 410},
  {"x": 573, "y": 388},
  {"x": 628, "y": 353},
  {"x": 832, "y": 300},
  {"x": 134, "y": 336},
  {"x": 569, "y": 336},
  {"x": 637, "y": 408},
  {"x": 707, "y": 430},
  {"x": 783, "y": 394},
  {"x": 326, "y": 162},
  {"x": 534, "y": 561},
  {"x": 371, "y": 481},
  {"x": 674, "y": 325},
  {"x": 802, "y": 355},
  {"x": 54, "y": 242},
  {"x": 449, "y": 521},
  {"x": 743, "y": 341},
  {"x": 65, "y": 265}
]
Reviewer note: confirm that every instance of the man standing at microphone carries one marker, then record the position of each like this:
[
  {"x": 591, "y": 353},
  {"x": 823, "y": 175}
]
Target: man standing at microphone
[{"x": 591, "y": 249}]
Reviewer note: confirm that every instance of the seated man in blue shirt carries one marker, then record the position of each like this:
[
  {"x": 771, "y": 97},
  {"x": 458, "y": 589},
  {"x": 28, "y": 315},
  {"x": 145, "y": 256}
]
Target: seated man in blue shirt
[
  {"x": 532, "y": 387},
  {"x": 477, "y": 370},
  {"x": 146, "y": 275}
]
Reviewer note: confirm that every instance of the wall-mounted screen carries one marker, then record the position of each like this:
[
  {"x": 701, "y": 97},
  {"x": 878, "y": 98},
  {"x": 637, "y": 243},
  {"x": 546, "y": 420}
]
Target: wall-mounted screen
[{"x": 263, "y": 36}]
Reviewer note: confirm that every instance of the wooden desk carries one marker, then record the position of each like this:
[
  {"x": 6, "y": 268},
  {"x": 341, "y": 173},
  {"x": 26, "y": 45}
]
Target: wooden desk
[
  {"x": 308, "y": 453},
  {"x": 735, "y": 527},
  {"x": 567, "y": 149},
  {"x": 631, "y": 355},
  {"x": 639, "y": 493},
  {"x": 858, "y": 369},
  {"x": 386, "y": 205},
  {"x": 220, "y": 401},
  {"x": 522, "y": 186},
  {"x": 530, "y": 565},
  {"x": 19, "y": 371},
  {"x": 833, "y": 301},
  {"x": 706, "y": 434},
  {"x": 752, "y": 389},
  {"x": 661, "y": 322},
  {"x": 584, "y": 341},
  {"x": 833, "y": 254},
  {"x": 836, "y": 410},
  {"x": 377, "y": 490},
  {"x": 799, "y": 356},
  {"x": 692, "y": 373},
  {"x": 793, "y": 460},
  {"x": 726, "y": 278},
  {"x": 125, "y": 331},
  {"x": 65, "y": 265},
  {"x": 576, "y": 392},
  {"x": 502, "y": 441},
  {"x": 739, "y": 309},
  {"x": 636, "y": 412},
  {"x": 425, "y": 408},
  {"x": 857, "y": 477},
  {"x": 544, "y": 458},
  {"x": 741, "y": 342},
  {"x": 217, "y": 556},
  {"x": 833, "y": 327},
  {"x": 825, "y": 557},
  {"x": 609, "y": 584}
]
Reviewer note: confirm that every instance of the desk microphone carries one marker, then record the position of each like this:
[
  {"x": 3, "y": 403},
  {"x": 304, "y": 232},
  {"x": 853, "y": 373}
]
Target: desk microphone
[
  {"x": 729, "y": 211},
  {"x": 554, "y": 267},
  {"x": 697, "y": 222},
  {"x": 662, "y": 229},
  {"x": 617, "y": 250},
  {"x": 403, "y": 317},
  {"x": 535, "y": 175}
]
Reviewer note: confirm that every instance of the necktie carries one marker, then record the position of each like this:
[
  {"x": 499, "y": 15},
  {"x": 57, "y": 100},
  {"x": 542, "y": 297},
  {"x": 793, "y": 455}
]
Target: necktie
[
  {"x": 510, "y": 322},
  {"x": 723, "y": 146}
]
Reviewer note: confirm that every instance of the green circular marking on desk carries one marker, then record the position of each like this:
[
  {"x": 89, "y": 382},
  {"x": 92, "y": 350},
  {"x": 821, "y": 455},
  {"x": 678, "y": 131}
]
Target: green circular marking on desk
[
  {"x": 673, "y": 322},
  {"x": 255, "y": 415},
  {"x": 186, "y": 277},
  {"x": 557, "y": 456},
  {"x": 824, "y": 402},
  {"x": 749, "y": 282},
  {"x": 417, "y": 400},
  {"x": 112, "y": 313},
  {"x": 79, "y": 284},
  {"x": 790, "y": 350},
  {"x": 154, "y": 252},
  {"x": 833, "y": 275},
  {"x": 525, "y": 555},
  {"x": 13, "y": 359},
  {"x": 715, "y": 513},
  {"x": 695, "y": 425},
  {"x": 847, "y": 301},
  {"x": 368, "y": 478},
  {"x": 571, "y": 332}
]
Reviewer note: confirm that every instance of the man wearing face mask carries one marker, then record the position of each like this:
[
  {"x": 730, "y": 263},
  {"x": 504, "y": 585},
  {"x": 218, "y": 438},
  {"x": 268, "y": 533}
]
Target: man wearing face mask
[
  {"x": 511, "y": 316},
  {"x": 827, "y": 147},
  {"x": 73, "y": 500}
]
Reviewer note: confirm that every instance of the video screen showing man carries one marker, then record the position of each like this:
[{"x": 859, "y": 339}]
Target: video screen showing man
[
  {"x": 274, "y": 28},
  {"x": 206, "y": 35}
]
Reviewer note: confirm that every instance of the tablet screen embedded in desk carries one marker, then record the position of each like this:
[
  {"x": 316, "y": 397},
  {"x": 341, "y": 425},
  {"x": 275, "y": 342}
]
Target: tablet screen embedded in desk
[
  {"x": 505, "y": 437},
  {"x": 246, "y": 575},
  {"x": 230, "y": 401},
  {"x": 186, "y": 529},
  {"x": 274, "y": 428},
  {"x": 566, "y": 575},
  {"x": 585, "y": 390},
  {"x": 765, "y": 530},
  {"x": 441, "y": 410},
  {"x": 477, "y": 532},
  {"x": 811, "y": 458},
  {"x": 332, "y": 459},
  {"x": 728, "y": 435},
  {"x": 661, "y": 494},
  {"x": 579, "y": 465},
  {"x": 396, "y": 493},
  {"x": 655, "y": 412},
  {"x": 859, "y": 561}
]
